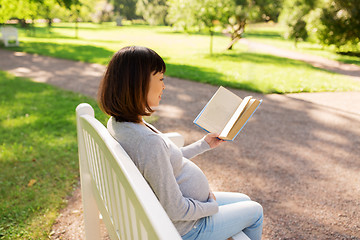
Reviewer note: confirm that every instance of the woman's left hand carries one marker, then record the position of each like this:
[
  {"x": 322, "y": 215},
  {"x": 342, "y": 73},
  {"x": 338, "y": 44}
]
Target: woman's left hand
[
  {"x": 211, "y": 195},
  {"x": 213, "y": 140}
]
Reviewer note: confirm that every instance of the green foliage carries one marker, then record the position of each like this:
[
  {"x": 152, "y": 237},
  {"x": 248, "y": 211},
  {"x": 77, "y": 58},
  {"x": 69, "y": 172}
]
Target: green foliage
[
  {"x": 83, "y": 10},
  {"x": 154, "y": 11},
  {"x": 230, "y": 14},
  {"x": 38, "y": 155},
  {"x": 67, "y": 3},
  {"x": 41, "y": 9},
  {"x": 331, "y": 22},
  {"x": 125, "y": 8},
  {"x": 293, "y": 15},
  {"x": 298, "y": 31},
  {"x": 48, "y": 9},
  {"x": 17, "y": 9},
  {"x": 267, "y": 10},
  {"x": 215, "y": 10},
  {"x": 183, "y": 14},
  {"x": 340, "y": 23},
  {"x": 272, "y": 34},
  {"x": 201, "y": 13}
]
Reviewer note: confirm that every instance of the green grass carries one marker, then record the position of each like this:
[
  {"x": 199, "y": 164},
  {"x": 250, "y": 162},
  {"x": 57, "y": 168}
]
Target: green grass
[
  {"x": 187, "y": 56},
  {"x": 38, "y": 141},
  {"x": 273, "y": 35}
]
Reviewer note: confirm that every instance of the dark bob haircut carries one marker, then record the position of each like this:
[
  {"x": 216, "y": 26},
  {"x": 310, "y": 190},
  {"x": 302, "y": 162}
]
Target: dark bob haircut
[{"x": 125, "y": 85}]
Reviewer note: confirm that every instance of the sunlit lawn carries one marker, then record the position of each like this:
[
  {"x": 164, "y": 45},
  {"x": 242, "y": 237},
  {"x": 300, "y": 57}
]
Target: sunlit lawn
[
  {"x": 187, "y": 56},
  {"x": 38, "y": 155},
  {"x": 273, "y": 35}
]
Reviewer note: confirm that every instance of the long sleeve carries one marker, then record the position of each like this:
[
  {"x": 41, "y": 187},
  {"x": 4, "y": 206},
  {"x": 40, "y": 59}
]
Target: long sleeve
[
  {"x": 181, "y": 187},
  {"x": 195, "y": 148},
  {"x": 156, "y": 167}
]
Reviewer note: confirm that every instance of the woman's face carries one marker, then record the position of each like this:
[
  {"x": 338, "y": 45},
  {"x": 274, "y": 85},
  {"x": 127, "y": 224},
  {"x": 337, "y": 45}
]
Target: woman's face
[{"x": 156, "y": 87}]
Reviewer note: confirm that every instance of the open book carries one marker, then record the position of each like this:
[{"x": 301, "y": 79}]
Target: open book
[{"x": 226, "y": 113}]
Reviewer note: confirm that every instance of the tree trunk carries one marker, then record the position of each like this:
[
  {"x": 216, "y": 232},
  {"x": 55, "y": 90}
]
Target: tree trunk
[
  {"x": 76, "y": 29},
  {"x": 49, "y": 22},
  {"x": 237, "y": 32},
  {"x": 33, "y": 29},
  {"x": 23, "y": 23},
  {"x": 211, "y": 41}
]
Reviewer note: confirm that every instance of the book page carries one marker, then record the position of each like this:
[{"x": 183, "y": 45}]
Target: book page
[
  {"x": 241, "y": 108},
  {"x": 218, "y": 110},
  {"x": 244, "y": 117}
]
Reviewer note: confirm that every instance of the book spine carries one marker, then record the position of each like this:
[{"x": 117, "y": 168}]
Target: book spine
[{"x": 247, "y": 120}]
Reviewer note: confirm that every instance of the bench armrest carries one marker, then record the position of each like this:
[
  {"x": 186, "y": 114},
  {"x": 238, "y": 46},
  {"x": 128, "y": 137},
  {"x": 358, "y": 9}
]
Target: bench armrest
[{"x": 176, "y": 138}]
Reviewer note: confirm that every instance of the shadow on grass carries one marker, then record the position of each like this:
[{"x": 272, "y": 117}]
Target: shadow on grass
[
  {"x": 77, "y": 52},
  {"x": 38, "y": 141},
  {"x": 206, "y": 75},
  {"x": 253, "y": 57},
  {"x": 349, "y": 57},
  {"x": 191, "y": 33},
  {"x": 46, "y": 32},
  {"x": 261, "y": 58},
  {"x": 263, "y": 34}
]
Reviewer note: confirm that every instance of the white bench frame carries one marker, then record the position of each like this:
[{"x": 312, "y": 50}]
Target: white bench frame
[
  {"x": 112, "y": 185},
  {"x": 9, "y": 34}
]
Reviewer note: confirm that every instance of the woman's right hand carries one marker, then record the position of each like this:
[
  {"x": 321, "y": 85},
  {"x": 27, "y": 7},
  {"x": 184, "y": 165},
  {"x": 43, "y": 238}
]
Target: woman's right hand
[{"x": 213, "y": 140}]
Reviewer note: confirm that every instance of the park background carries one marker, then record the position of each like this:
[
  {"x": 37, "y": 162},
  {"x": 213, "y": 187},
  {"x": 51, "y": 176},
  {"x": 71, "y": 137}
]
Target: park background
[{"x": 205, "y": 41}]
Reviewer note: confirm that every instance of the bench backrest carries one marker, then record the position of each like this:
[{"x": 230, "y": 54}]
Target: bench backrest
[
  {"x": 10, "y": 34},
  {"x": 112, "y": 185}
]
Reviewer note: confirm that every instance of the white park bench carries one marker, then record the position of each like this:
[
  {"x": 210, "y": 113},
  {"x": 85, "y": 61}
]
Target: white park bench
[
  {"x": 112, "y": 186},
  {"x": 9, "y": 35}
]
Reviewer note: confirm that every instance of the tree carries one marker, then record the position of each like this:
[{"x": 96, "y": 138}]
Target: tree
[
  {"x": 332, "y": 22},
  {"x": 67, "y": 3},
  {"x": 17, "y": 9},
  {"x": 30, "y": 9},
  {"x": 202, "y": 14},
  {"x": 125, "y": 8},
  {"x": 293, "y": 15},
  {"x": 153, "y": 11},
  {"x": 183, "y": 13},
  {"x": 267, "y": 10},
  {"x": 232, "y": 14},
  {"x": 237, "y": 21},
  {"x": 340, "y": 23},
  {"x": 47, "y": 9},
  {"x": 214, "y": 10}
]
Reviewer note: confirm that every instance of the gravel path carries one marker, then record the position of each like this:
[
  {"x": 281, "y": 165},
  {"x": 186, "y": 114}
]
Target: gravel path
[{"x": 298, "y": 156}]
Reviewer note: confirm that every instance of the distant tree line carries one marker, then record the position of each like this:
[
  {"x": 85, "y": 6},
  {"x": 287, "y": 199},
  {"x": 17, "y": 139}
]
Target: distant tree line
[{"x": 330, "y": 22}]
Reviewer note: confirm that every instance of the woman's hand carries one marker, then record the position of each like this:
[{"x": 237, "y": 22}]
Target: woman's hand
[{"x": 213, "y": 140}]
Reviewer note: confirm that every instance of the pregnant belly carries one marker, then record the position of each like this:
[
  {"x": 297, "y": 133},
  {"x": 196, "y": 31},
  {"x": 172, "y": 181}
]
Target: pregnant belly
[{"x": 193, "y": 182}]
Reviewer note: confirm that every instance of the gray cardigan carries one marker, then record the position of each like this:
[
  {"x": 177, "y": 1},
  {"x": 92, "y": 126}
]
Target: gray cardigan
[{"x": 178, "y": 183}]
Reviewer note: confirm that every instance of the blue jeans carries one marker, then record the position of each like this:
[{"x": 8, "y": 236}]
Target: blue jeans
[{"x": 236, "y": 213}]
